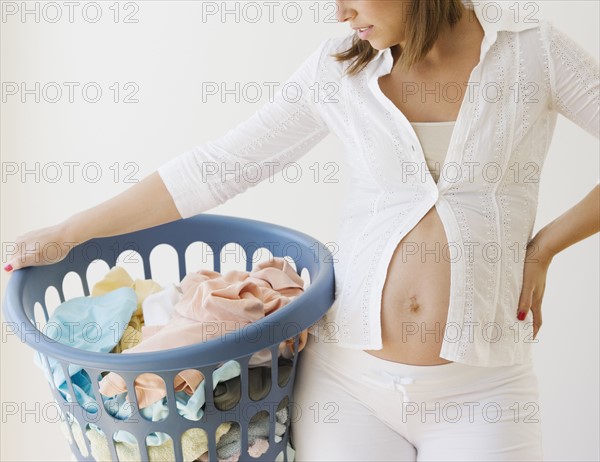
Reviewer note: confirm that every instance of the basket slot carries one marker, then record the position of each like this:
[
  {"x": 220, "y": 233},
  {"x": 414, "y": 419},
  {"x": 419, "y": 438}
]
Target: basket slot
[
  {"x": 112, "y": 446},
  {"x": 197, "y": 255},
  {"x": 40, "y": 316},
  {"x": 52, "y": 297},
  {"x": 190, "y": 435},
  {"x": 159, "y": 382},
  {"x": 305, "y": 275},
  {"x": 72, "y": 285},
  {"x": 258, "y": 394}
]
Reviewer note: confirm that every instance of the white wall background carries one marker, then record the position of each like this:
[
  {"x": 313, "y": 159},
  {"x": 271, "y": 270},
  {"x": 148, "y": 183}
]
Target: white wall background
[{"x": 168, "y": 54}]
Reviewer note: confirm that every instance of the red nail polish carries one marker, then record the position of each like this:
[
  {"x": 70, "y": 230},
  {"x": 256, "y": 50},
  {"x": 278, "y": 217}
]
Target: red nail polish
[
  {"x": 8, "y": 267},
  {"x": 521, "y": 315}
]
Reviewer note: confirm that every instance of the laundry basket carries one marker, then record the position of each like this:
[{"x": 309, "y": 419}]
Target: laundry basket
[{"x": 28, "y": 286}]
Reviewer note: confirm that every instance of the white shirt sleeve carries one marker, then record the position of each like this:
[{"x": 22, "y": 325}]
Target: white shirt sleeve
[
  {"x": 280, "y": 132},
  {"x": 574, "y": 81}
]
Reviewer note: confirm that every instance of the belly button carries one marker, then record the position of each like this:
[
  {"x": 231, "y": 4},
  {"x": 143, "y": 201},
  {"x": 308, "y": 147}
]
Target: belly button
[{"x": 413, "y": 304}]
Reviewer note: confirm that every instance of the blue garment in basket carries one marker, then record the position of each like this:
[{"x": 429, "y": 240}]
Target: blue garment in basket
[{"x": 91, "y": 324}]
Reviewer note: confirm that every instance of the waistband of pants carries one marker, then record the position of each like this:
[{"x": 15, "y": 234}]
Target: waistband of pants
[{"x": 393, "y": 375}]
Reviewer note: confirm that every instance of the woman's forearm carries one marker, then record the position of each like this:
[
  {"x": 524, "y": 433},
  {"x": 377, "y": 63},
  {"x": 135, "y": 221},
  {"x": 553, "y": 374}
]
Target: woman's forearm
[
  {"x": 577, "y": 223},
  {"x": 144, "y": 205}
]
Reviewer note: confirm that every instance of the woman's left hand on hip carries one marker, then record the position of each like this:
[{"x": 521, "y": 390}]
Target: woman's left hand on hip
[{"x": 534, "y": 283}]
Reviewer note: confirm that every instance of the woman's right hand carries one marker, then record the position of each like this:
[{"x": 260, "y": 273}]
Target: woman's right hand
[
  {"x": 125, "y": 213},
  {"x": 40, "y": 247}
]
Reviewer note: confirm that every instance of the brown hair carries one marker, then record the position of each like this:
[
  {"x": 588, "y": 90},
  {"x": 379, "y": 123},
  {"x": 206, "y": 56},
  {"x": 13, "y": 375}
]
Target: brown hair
[{"x": 425, "y": 20}]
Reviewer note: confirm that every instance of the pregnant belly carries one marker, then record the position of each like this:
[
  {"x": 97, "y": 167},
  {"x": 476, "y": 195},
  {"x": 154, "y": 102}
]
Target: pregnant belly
[{"x": 416, "y": 295}]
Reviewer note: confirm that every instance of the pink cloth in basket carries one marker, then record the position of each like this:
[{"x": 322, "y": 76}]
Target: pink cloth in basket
[{"x": 212, "y": 305}]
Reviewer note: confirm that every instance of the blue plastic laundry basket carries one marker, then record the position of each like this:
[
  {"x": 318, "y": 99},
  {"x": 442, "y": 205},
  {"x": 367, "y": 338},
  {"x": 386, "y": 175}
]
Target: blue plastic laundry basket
[{"x": 27, "y": 286}]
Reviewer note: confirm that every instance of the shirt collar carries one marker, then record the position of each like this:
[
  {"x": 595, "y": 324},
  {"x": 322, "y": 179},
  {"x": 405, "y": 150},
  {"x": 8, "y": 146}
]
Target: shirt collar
[{"x": 493, "y": 18}]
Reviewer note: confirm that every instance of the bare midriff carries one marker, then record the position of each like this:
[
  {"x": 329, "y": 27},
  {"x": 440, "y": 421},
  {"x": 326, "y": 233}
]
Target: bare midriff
[
  {"x": 416, "y": 296},
  {"x": 416, "y": 292}
]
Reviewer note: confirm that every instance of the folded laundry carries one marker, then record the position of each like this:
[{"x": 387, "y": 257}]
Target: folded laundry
[
  {"x": 211, "y": 305},
  {"x": 116, "y": 278}
]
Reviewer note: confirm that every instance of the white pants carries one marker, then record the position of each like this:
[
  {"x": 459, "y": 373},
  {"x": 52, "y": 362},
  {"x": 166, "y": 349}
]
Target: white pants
[{"x": 351, "y": 406}]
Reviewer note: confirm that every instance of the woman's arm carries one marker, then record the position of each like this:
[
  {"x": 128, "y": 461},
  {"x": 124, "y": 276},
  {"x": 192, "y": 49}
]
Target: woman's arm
[
  {"x": 211, "y": 173},
  {"x": 575, "y": 89},
  {"x": 577, "y": 223},
  {"x": 142, "y": 206},
  {"x": 574, "y": 78},
  {"x": 281, "y": 131}
]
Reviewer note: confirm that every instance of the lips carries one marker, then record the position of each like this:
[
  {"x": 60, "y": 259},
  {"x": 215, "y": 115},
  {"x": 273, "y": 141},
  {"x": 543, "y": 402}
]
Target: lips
[{"x": 364, "y": 33}]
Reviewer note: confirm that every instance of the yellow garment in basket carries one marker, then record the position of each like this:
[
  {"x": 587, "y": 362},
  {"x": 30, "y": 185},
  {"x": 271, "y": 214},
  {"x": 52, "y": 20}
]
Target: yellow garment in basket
[
  {"x": 116, "y": 278},
  {"x": 194, "y": 444}
]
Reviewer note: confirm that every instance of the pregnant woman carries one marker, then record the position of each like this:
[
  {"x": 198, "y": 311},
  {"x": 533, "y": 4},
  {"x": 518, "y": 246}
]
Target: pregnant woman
[{"x": 446, "y": 110}]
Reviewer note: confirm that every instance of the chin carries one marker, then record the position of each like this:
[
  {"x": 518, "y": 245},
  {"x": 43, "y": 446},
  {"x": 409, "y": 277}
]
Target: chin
[{"x": 377, "y": 45}]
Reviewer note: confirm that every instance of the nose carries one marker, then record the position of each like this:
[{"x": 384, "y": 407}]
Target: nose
[{"x": 342, "y": 13}]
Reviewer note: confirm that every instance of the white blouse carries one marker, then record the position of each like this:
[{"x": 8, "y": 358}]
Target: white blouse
[{"x": 486, "y": 197}]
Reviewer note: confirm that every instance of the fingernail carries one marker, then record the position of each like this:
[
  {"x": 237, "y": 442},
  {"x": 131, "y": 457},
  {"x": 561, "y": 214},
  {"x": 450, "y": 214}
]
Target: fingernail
[
  {"x": 521, "y": 315},
  {"x": 8, "y": 267}
]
